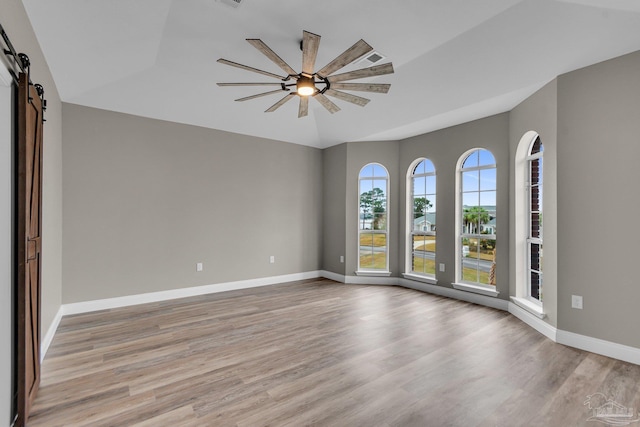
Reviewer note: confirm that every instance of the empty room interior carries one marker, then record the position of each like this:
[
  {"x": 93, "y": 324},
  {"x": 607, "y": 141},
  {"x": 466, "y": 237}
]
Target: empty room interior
[{"x": 319, "y": 213}]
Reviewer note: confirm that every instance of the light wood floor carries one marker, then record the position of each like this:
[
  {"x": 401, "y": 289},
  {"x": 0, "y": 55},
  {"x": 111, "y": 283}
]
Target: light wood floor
[{"x": 318, "y": 353}]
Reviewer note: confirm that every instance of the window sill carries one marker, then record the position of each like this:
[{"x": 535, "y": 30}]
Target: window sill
[
  {"x": 529, "y": 306},
  {"x": 373, "y": 273},
  {"x": 482, "y": 290},
  {"x": 419, "y": 278}
]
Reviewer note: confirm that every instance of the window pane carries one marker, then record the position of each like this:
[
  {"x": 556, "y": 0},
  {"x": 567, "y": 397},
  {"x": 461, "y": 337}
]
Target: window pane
[
  {"x": 380, "y": 221},
  {"x": 488, "y": 199},
  {"x": 536, "y": 147},
  {"x": 428, "y": 166},
  {"x": 379, "y": 171},
  {"x": 419, "y": 185},
  {"x": 380, "y": 187},
  {"x": 424, "y": 250},
  {"x": 488, "y": 179},
  {"x": 485, "y": 158},
  {"x": 366, "y": 185},
  {"x": 536, "y": 285},
  {"x": 471, "y": 160},
  {"x": 470, "y": 199},
  {"x": 366, "y": 171},
  {"x": 471, "y": 181},
  {"x": 373, "y": 251},
  {"x": 419, "y": 168},
  {"x": 535, "y": 170},
  {"x": 535, "y": 225},
  {"x": 430, "y": 184},
  {"x": 535, "y": 256}
]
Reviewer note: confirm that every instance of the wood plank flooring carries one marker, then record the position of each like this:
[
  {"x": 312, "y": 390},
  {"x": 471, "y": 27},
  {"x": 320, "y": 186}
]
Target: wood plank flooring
[{"x": 319, "y": 353}]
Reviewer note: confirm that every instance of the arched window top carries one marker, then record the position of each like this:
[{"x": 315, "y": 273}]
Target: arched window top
[
  {"x": 373, "y": 170},
  {"x": 479, "y": 158},
  {"x": 536, "y": 147},
  {"x": 424, "y": 167}
]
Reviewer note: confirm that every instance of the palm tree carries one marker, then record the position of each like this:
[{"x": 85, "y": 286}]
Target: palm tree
[{"x": 473, "y": 217}]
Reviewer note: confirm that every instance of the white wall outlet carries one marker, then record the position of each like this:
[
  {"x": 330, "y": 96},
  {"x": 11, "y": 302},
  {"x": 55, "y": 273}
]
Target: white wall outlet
[
  {"x": 442, "y": 266},
  {"x": 576, "y": 302},
  {"x": 272, "y": 259},
  {"x": 341, "y": 258},
  {"x": 199, "y": 266}
]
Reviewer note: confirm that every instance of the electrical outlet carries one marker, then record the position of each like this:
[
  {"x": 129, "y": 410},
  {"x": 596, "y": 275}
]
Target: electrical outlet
[
  {"x": 272, "y": 259},
  {"x": 341, "y": 258},
  {"x": 576, "y": 302},
  {"x": 442, "y": 266},
  {"x": 199, "y": 266}
]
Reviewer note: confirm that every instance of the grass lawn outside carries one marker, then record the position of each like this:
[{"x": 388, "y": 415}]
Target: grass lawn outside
[
  {"x": 371, "y": 239},
  {"x": 377, "y": 261},
  {"x": 471, "y": 275},
  {"x": 421, "y": 265}
]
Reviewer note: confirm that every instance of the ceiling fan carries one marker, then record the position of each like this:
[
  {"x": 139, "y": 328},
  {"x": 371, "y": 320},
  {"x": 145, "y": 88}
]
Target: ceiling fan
[{"x": 319, "y": 84}]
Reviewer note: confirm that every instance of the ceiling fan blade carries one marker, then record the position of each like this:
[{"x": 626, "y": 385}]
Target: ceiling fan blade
[
  {"x": 354, "y": 99},
  {"x": 266, "y": 50},
  {"x": 347, "y": 57},
  {"x": 310, "y": 45},
  {"x": 303, "y": 109},
  {"x": 249, "y": 84},
  {"x": 246, "y": 98},
  {"x": 376, "y": 70},
  {"x": 280, "y": 103},
  {"x": 363, "y": 87},
  {"x": 246, "y": 67},
  {"x": 326, "y": 103}
]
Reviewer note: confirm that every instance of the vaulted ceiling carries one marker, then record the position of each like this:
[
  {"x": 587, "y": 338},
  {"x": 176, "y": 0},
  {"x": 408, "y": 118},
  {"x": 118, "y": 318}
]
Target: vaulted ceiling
[{"x": 454, "y": 60}]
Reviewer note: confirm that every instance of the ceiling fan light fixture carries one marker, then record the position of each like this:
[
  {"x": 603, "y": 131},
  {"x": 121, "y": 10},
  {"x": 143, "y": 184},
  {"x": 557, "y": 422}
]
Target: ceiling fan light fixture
[{"x": 305, "y": 86}]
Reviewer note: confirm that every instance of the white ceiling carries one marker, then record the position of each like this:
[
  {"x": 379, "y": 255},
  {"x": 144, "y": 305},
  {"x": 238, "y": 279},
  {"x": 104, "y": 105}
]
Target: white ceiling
[{"x": 454, "y": 60}]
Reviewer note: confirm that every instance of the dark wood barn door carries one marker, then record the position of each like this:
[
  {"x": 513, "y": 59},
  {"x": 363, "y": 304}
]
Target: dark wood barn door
[{"x": 29, "y": 245}]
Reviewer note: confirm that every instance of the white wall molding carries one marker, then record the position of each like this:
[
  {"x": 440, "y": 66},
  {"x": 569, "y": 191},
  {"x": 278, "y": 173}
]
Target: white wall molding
[
  {"x": 371, "y": 280},
  {"x": 534, "y": 321},
  {"x": 48, "y": 337},
  {"x": 456, "y": 294},
  {"x": 333, "y": 276},
  {"x": 125, "y": 301},
  {"x": 583, "y": 342},
  {"x": 603, "y": 347}
]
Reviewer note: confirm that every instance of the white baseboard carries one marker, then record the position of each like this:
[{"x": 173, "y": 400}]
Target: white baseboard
[
  {"x": 603, "y": 347},
  {"x": 333, "y": 276},
  {"x": 456, "y": 294},
  {"x": 371, "y": 280},
  {"x": 125, "y": 301},
  {"x": 583, "y": 342},
  {"x": 48, "y": 337},
  {"x": 534, "y": 321}
]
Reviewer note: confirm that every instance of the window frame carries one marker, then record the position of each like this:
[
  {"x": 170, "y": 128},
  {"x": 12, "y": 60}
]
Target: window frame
[
  {"x": 460, "y": 284},
  {"x": 529, "y": 216},
  {"x": 366, "y": 271},
  {"x": 411, "y": 232}
]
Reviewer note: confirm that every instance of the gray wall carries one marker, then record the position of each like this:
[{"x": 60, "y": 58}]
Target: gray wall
[
  {"x": 360, "y": 154},
  {"x": 18, "y": 27},
  {"x": 334, "y": 196},
  {"x": 539, "y": 114},
  {"x": 598, "y": 203},
  {"x": 145, "y": 200},
  {"x": 444, "y": 148}
]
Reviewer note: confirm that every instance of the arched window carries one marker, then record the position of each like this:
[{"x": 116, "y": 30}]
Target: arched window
[
  {"x": 534, "y": 218},
  {"x": 373, "y": 190},
  {"x": 421, "y": 192},
  {"x": 477, "y": 219}
]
